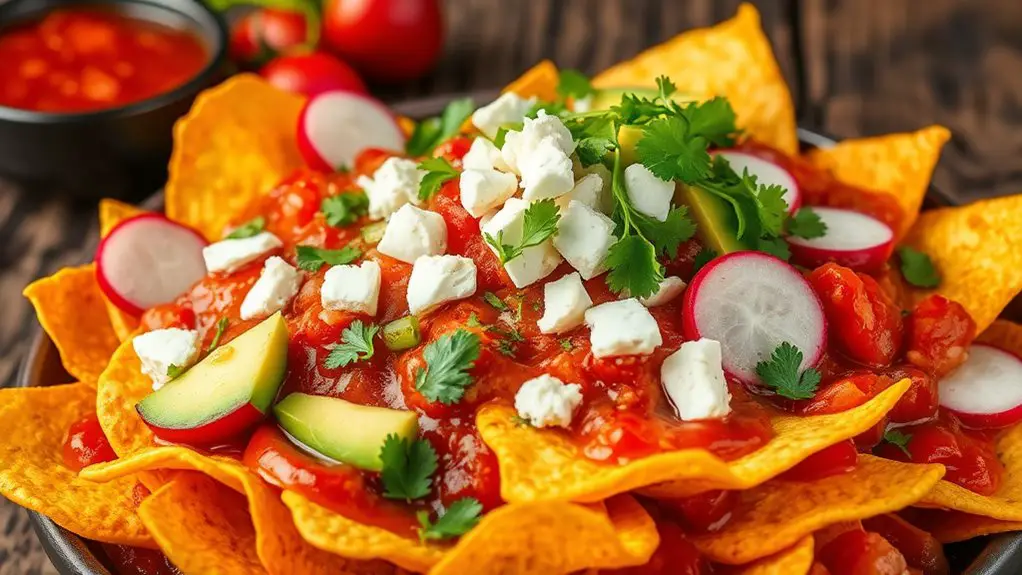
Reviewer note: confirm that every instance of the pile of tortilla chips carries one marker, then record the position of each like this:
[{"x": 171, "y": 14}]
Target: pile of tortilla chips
[{"x": 565, "y": 513}]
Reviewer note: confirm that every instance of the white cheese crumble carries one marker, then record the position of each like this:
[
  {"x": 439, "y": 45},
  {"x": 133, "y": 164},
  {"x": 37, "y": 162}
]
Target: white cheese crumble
[
  {"x": 649, "y": 194},
  {"x": 352, "y": 288},
  {"x": 584, "y": 237},
  {"x": 590, "y": 190},
  {"x": 413, "y": 232},
  {"x": 546, "y": 401},
  {"x": 509, "y": 108},
  {"x": 277, "y": 284},
  {"x": 622, "y": 327},
  {"x": 439, "y": 279},
  {"x": 694, "y": 381},
  {"x": 670, "y": 288},
  {"x": 160, "y": 349},
  {"x": 565, "y": 302},
  {"x": 485, "y": 189},
  {"x": 519, "y": 146},
  {"x": 546, "y": 171},
  {"x": 483, "y": 155},
  {"x": 534, "y": 263},
  {"x": 394, "y": 184},
  {"x": 232, "y": 254}
]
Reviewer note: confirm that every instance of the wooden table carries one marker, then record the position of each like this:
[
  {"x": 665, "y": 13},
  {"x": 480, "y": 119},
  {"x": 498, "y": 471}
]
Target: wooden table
[{"x": 856, "y": 67}]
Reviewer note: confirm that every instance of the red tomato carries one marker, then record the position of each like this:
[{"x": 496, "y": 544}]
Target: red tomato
[
  {"x": 265, "y": 33},
  {"x": 863, "y": 321},
  {"x": 920, "y": 549},
  {"x": 848, "y": 392},
  {"x": 453, "y": 150},
  {"x": 836, "y": 459},
  {"x": 370, "y": 159},
  {"x": 857, "y": 552},
  {"x": 920, "y": 401},
  {"x": 938, "y": 334},
  {"x": 706, "y": 512},
  {"x": 387, "y": 40},
  {"x": 312, "y": 74},
  {"x": 86, "y": 444},
  {"x": 469, "y": 467}
]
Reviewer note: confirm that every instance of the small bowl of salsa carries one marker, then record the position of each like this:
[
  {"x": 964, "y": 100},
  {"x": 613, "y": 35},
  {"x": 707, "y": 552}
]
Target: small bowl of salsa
[{"x": 90, "y": 89}]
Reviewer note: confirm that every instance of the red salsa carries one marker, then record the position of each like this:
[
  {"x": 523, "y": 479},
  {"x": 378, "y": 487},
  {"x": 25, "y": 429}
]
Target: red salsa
[
  {"x": 87, "y": 59},
  {"x": 86, "y": 444}
]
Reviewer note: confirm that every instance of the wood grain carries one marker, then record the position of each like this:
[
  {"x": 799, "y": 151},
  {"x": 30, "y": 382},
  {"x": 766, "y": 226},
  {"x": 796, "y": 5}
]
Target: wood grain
[{"x": 856, "y": 67}]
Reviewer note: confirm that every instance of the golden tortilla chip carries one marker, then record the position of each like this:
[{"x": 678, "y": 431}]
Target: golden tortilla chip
[
  {"x": 70, "y": 307},
  {"x": 540, "y": 464},
  {"x": 978, "y": 251},
  {"x": 236, "y": 143},
  {"x": 900, "y": 165},
  {"x": 121, "y": 385},
  {"x": 540, "y": 82},
  {"x": 732, "y": 59},
  {"x": 33, "y": 424},
  {"x": 779, "y": 514},
  {"x": 954, "y": 526},
  {"x": 111, "y": 213},
  {"x": 794, "y": 561}
]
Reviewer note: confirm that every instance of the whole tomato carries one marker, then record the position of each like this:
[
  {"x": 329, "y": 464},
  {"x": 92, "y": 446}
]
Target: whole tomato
[
  {"x": 387, "y": 40},
  {"x": 312, "y": 74},
  {"x": 263, "y": 34}
]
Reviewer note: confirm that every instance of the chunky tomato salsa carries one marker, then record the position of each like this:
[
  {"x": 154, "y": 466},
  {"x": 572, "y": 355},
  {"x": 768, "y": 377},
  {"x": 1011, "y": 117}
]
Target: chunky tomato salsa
[{"x": 87, "y": 59}]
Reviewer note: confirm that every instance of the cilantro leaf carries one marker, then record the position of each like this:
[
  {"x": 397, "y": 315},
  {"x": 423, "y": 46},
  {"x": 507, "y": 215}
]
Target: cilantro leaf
[
  {"x": 248, "y": 229},
  {"x": 494, "y": 301},
  {"x": 771, "y": 207},
  {"x": 540, "y": 223},
  {"x": 431, "y": 132},
  {"x": 665, "y": 87},
  {"x": 591, "y": 150},
  {"x": 671, "y": 152},
  {"x": 174, "y": 371},
  {"x": 806, "y": 224},
  {"x": 460, "y": 517},
  {"x": 407, "y": 467},
  {"x": 473, "y": 320},
  {"x": 312, "y": 258},
  {"x": 634, "y": 267},
  {"x": 668, "y": 235},
  {"x": 713, "y": 119},
  {"x": 438, "y": 171},
  {"x": 918, "y": 268},
  {"x": 702, "y": 258},
  {"x": 221, "y": 327},
  {"x": 343, "y": 209},
  {"x": 575, "y": 84},
  {"x": 356, "y": 345},
  {"x": 899, "y": 440},
  {"x": 776, "y": 247},
  {"x": 448, "y": 360},
  {"x": 781, "y": 373}
]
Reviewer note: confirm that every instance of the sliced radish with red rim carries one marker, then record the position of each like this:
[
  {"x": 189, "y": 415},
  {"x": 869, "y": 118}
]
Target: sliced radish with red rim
[
  {"x": 752, "y": 302},
  {"x": 853, "y": 240},
  {"x": 334, "y": 127},
  {"x": 986, "y": 391},
  {"x": 148, "y": 260},
  {"x": 767, "y": 173}
]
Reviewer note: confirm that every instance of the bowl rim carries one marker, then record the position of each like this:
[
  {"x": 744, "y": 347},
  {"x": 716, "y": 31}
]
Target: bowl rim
[
  {"x": 71, "y": 555},
  {"x": 201, "y": 18}
]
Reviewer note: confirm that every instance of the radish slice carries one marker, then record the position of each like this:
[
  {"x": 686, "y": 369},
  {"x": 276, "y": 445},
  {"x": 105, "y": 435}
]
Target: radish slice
[
  {"x": 334, "y": 127},
  {"x": 752, "y": 302},
  {"x": 853, "y": 240},
  {"x": 767, "y": 173},
  {"x": 986, "y": 391},
  {"x": 148, "y": 260}
]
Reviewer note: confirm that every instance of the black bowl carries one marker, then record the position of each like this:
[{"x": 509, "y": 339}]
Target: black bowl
[
  {"x": 117, "y": 150},
  {"x": 73, "y": 555}
]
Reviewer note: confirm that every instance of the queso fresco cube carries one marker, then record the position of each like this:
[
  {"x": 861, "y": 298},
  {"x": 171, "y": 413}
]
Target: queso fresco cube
[{"x": 536, "y": 262}]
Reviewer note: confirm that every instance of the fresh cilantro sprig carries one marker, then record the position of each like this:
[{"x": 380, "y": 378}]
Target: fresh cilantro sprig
[
  {"x": 806, "y": 224},
  {"x": 495, "y": 301},
  {"x": 702, "y": 258},
  {"x": 312, "y": 258},
  {"x": 438, "y": 172},
  {"x": 460, "y": 517},
  {"x": 781, "y": 373},
  {"x": 356, "y": 345},
  {"x": 408, "y": 466},
  {"x": 431, "y": 132},
  {"x": 448, "y": 360},
  {"x": 899, "y": 440},
  {"x": 221, "y": 327},
  {"x": 248, "y": 229},
  {"x": 574, "y": 84},
  {"x": 344, "y": 209},
  {"x": 540, "y": 224},
  {"x": 918, "y": 268}
]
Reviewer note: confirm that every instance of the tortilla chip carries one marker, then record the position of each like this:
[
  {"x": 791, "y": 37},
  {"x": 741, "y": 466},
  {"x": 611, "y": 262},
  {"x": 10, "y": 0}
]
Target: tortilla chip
[
  {"x": 34, "y": 422},
  {"x": 540, "y": 82},
  {"x": 70, "y": 307},
  {"x": 540, "y": 464},
  {"x": 897, "y": 164},
  {"x": 779, "y": 514},
  {"x": 514, "y": 539},
  {"x": 278, "y": 543},
  {"x": 236, "y": 143},
  {"x": 794, "y": 561},
  {"x": 978, "y": 250},
  {"x": 954, "y": 526},
  {"x": 121, "y": 385},
  {"x": 111, "y": 213},
  {"x": 732, "y": 59}
]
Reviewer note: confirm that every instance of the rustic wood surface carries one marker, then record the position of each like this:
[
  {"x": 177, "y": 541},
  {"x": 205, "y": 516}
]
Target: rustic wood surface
[{"x": 856, "y": 67}]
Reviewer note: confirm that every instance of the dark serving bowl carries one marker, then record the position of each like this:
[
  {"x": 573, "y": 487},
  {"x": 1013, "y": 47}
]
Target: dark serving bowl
[
  {"x": 72, "y": 555},
  {"x": 115, "y": 151}
]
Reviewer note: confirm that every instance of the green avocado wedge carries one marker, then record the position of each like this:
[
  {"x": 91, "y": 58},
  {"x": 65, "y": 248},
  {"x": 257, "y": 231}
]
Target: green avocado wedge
[{"x": 344, "y": 431}]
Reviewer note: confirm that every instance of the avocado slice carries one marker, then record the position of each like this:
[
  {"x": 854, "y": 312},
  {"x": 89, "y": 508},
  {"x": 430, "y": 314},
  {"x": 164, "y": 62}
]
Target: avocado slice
[
  {"x": 344, "y": 431},
  {"x": 228, "y": 391},
  {"x": 716, "y": 222}
]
